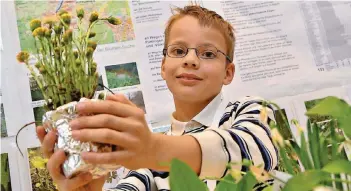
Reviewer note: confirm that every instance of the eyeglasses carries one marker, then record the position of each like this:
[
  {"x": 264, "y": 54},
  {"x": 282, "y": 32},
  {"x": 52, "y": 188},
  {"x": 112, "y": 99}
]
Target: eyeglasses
[{"x": 205, "y": 52}]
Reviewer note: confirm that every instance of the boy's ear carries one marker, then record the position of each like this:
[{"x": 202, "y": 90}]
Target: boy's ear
[
  {"x": 229, "y": 73},
  {"x": 163, "y": 68}
]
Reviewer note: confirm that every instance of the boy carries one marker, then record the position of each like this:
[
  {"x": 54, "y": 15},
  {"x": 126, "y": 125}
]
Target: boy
[{"x": 197, "y": 62}]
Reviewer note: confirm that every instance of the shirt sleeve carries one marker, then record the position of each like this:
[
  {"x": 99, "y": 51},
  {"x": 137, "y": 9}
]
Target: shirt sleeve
[
  {"x": 241, "y": 135},
  {"x": 136, "y": 180}
]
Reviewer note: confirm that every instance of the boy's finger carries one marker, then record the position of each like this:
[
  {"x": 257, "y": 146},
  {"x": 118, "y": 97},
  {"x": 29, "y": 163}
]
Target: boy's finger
[
  {"x": 107, "y": 106},
  {"x": 40, "y": 133},
  {"x": 78, "y": 181},
  {"x": 107, "y": 136},
  {"x": 118, "y": 157},
  {"x": 54, "y": 165},
  {"x": 102, "y": 121},
  {"x": 119, "y": 98},
  {"x": 48, "y": 143}
]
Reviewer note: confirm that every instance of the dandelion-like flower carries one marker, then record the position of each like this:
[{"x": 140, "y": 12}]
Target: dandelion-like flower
[
  {"x": 34, "y": 24},
  {"x": 90, "y": 52},
  {"x": 39, "y": 32},
  {"x": 92, "y": 44},
  {"x": 80, "y": 13},
  {"x": 114, "y": 21},
  {"x": 66, "y": 18},
  {"x": 75, "y": 53},
  {"x": 47, "y": 33},
  {"x": 260, "y": 174},
  {"x": 67, "y": 36},
  {"x": 92, "y": 34},
  {"x": 58, "y": 29},
  {"x": 50, "y": 21},
  {"x": 61, "y": 12},
  {"x": 236, "y": 174},
  {"x": 263, "y": 115},
  {"x": 94, "y": 16},
  {"x": 23, "y": 57},
  {"x": 78, "y": 62},
  {"x": 277, "y": 137}
]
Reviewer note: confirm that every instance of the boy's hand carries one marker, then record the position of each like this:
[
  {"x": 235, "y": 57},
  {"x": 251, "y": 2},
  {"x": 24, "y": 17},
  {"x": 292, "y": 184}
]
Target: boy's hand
[
  {"x": 119, "y": 122},
  {"x": 81, "y": 182}
]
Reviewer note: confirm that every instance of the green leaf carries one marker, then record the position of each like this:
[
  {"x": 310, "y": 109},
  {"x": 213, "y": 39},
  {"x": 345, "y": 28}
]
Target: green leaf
[
  {"x": 313, "y": 139},
  {"x": 268, "y": 188},
  {"x": 335, "y": 107},
  {"x": 225, "y": 185},
  {"x": 306, "y": 181},
  {"x": 247, "y": 182},
  {"x": 338, "y": 166},
  {"x": 183, "y": 178}
]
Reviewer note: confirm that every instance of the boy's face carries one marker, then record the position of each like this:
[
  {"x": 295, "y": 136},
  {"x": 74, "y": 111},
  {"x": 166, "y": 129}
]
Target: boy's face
[{"x": 191, "y": 79}]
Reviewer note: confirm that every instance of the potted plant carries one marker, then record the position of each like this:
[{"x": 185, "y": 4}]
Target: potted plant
[
  {"x": 320, "y": 154},
  {"x": 66, "y": 73}
]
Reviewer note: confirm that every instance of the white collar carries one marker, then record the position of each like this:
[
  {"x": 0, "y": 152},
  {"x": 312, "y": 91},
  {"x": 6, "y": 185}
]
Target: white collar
[{"x": 205, "y": 117}]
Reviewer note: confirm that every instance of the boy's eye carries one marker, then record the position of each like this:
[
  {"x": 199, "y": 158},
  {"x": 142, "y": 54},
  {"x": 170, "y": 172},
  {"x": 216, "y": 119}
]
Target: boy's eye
[
  {"x": 177, "y": 51},
  {"x": 208, "y": 54}
]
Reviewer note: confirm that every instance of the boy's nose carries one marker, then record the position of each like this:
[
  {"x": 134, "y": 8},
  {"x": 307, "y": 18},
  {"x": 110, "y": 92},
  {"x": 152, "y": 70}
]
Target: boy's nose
[{"x": 191, "y": 59}]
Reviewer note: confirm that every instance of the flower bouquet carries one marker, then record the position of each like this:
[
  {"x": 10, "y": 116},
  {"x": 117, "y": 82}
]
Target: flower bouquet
[{"x": 66, "y": 74}]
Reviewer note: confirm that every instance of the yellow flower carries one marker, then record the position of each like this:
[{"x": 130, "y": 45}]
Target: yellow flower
[
  {"x": 50, "y": 21},
  {"x": 37, "y": 185},
  {"x": 236, "y": 174},
  {"x": 92, "y": 44},
  {"x": 298, "y": 126},
  {"x": 61, "y": 12},
  {"x": 90, "y": 52},
  {"x": 39, "y": 32},
  {"x": 80, "y": 12},
  {"x": 58, "y": 29},
  {"x": 34, "y": 24},
  {"x": 23, "y": 57},
  {"x": 67, "y": 37},
  {"x": 66, "y": 17},
  {"x": 92, "y": 34},
  {"x": 94, "y": 16},
  {"x": 114, "y": 21},
  {"x": 39, "y": 162},
  {"x": 260, "y": 174},
  {"x": 277, "y": 137},
  {"x": 263, "y": 115}
]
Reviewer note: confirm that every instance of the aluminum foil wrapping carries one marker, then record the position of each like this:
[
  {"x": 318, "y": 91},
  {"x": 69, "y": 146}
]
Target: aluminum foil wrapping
[{"x": 59, "y": 120}]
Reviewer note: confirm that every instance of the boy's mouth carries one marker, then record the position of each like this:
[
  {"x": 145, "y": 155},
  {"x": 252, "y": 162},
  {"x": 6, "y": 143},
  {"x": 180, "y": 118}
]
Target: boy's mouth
[{"x": 187, "y": 76}]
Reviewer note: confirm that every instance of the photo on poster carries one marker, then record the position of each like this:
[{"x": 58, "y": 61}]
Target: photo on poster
[
  {"x": 40, "y": 177},
  {"x": 5, "y": 173},
  {"x": 38, "y": 115},
  {"x": 122, "y": 75},
  {"x": 106, "y": 33},
  {"x": 35, "y": 91},
  {"x": 3, "y": 122},
  {"x": 137, "y": 98}
]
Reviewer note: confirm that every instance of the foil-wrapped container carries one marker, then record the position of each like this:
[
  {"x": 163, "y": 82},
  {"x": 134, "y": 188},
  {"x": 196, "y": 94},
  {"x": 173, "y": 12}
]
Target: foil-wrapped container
[{"x": 58, "y": 120}]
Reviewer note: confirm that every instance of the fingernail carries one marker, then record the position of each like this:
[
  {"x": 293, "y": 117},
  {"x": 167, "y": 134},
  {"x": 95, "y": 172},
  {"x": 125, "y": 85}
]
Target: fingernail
[
  {"x": 73, "y": 124},
  {"x": 80, "y": 106}
]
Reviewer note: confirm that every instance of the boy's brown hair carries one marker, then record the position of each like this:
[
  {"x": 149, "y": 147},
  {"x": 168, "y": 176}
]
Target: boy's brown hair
[{"x": 206, "y": 18}]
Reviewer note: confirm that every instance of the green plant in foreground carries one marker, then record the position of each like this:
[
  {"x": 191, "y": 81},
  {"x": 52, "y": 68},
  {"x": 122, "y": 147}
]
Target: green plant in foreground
[
  {"x": 322, "y": 157},
  {"x": 64, "y": 70}
]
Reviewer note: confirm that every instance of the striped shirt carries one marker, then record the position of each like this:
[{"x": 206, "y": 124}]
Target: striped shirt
[{"x": 238, "y": 135}]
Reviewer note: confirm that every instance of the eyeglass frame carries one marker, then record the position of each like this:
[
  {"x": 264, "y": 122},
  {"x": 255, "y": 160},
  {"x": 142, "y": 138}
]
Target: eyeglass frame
[{"x": 165, "y": 52}]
